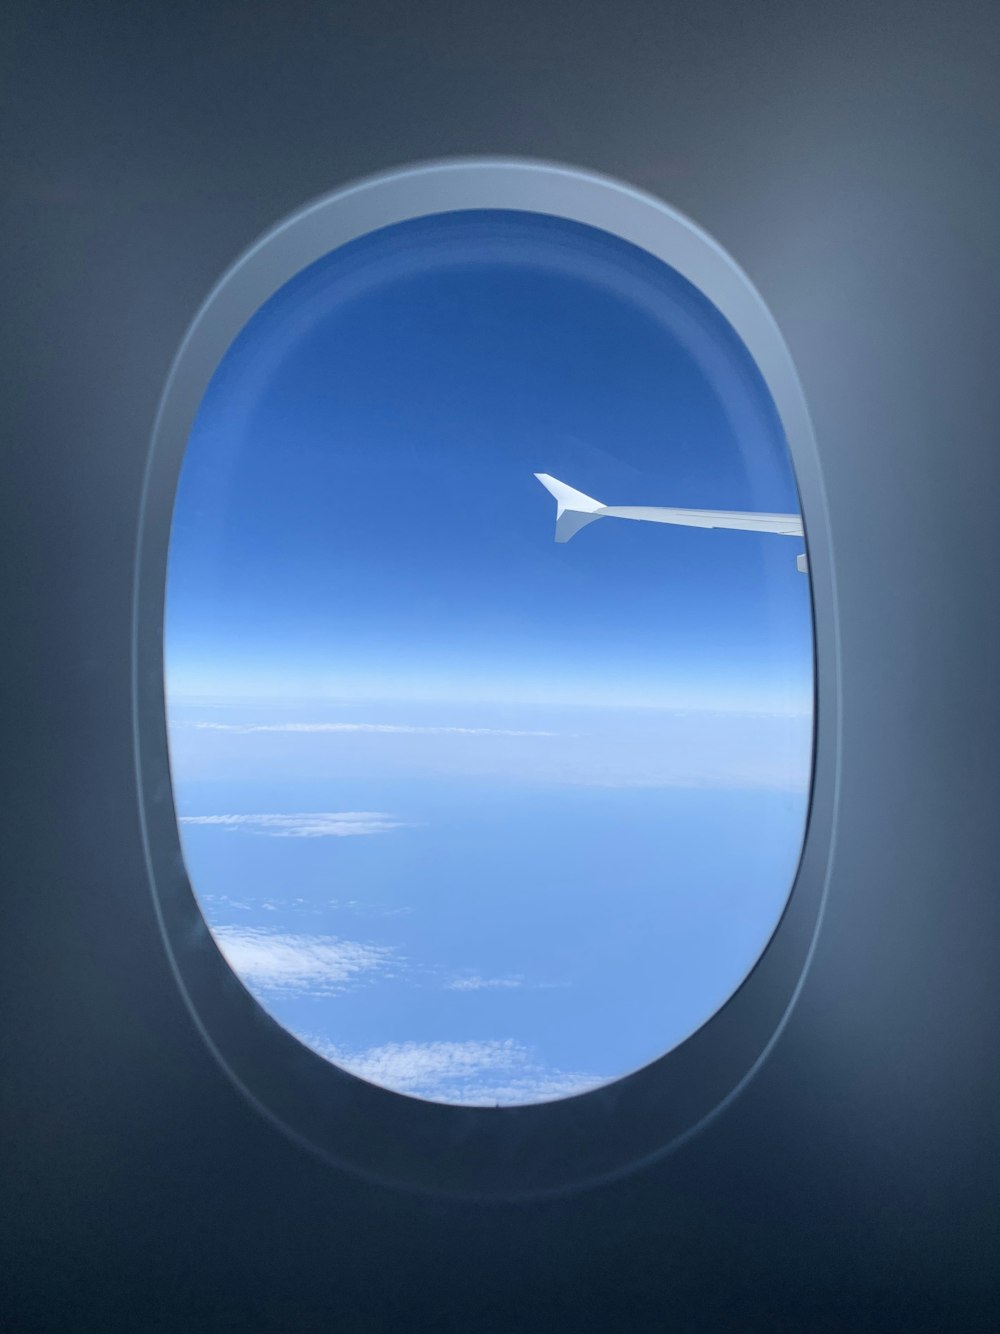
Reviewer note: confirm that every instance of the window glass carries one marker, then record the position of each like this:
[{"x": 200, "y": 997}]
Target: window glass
[{"x": 480, "y": 815}]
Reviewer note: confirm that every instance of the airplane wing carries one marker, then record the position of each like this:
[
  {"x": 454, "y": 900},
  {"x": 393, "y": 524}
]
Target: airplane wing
[{"x": 574, "y": 511}]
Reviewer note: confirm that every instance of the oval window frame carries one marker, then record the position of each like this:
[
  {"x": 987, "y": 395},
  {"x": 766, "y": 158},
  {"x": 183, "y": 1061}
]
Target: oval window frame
[{"x": 381, "y": 1135}]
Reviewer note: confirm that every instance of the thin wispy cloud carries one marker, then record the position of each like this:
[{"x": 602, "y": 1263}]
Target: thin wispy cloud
[
  {"x": 226, "y": 901},
  {"x": 508, "y": 982},
  {"x": 362, "y": 909},
  {"x": 406, "y": 729},
  {"x": 751, "y": 780},
  {"x": 477, "y": 1073},
  {"x": 477, "y": 983},
  {"x": 282, "y": 962},
  {"x": 313, "y": 824},
  {"x": 312, "y": 907}
]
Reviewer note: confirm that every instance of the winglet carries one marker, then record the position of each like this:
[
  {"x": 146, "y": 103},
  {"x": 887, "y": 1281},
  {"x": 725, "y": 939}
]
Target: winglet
[{"x": 574, "y": 510}]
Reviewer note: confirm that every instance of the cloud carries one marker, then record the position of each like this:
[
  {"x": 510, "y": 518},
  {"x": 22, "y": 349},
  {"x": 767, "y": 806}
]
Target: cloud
[
  {"x": 226, "y": 901},
  {"x": 313, "y": 907},
  {"x": 478, "y": 1073},
  {"x": 477, "y": 983},
  {"x": 747, "y": 780},
  {"x": 395, "y": 728},
  {"x": 280, "y": 962},
  {"x": 316, "y": 824}
]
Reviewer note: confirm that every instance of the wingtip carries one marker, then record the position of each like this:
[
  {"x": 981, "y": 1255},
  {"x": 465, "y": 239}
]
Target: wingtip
[
  {"x": 567, "y": 497},
  {"x": 574, "y": 510}
]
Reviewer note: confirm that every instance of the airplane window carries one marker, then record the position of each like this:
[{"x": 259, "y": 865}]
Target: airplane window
[{"x": 489, "y": 657}]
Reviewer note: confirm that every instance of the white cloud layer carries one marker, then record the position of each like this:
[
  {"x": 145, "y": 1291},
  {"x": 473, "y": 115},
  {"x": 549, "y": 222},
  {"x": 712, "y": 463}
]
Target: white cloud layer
[
  {"x": 471, "y": 1073},
  {"x": 314, "y": 824},
  {"x": 281, "y": 962},
  {"x": 395, "y": 728}
]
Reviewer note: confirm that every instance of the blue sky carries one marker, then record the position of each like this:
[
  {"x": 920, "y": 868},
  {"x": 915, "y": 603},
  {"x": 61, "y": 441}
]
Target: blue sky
[{"x": 484, "y": 817}]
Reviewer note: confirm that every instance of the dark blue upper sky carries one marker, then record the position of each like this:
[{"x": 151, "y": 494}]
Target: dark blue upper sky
[{"x": 357, "y": 515}]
